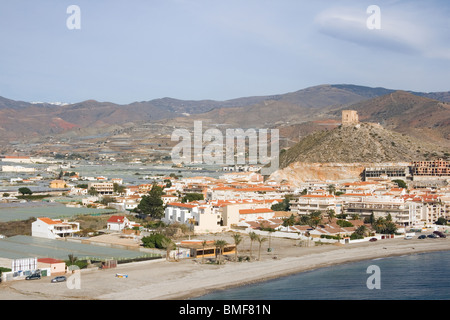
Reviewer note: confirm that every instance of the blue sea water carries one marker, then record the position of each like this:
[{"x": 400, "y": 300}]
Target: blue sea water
[{"x": 421, "y": 276}]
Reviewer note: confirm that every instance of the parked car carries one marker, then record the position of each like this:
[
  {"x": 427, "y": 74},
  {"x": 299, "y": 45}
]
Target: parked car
[
  {"x": 34, "y": 276},
  {"x": 59, "y": 279},
  {"x": 422, "y": 236},
  {"x": 440, "y": 234},
  {"x": 408, "y": 237},
  {"x": 432, "y": 235},
  {"x": 373, "y": 239}
]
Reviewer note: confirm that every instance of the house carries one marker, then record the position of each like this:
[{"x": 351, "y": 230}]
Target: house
[
  {"x": 56, "y": 266},
  {"x": 58, "y": 184},
  {"x": 48, "y": 228},
  {"x": 118, "y": 223}
]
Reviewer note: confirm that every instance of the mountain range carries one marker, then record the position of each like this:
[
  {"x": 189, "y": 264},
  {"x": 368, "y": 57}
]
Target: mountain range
[{"x": 424, "y": 116}]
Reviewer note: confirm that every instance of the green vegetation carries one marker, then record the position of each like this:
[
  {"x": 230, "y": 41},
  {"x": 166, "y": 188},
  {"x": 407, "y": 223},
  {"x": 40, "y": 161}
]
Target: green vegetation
[
  {"x": 189, "y": 197},
  {"x": 152, "y": 204},
  {"x": 25, "y": 191},
  {"x": 282, "y": 206},
  {"x": 155, "y": 240},
  {"x": 400, "y": 183}
]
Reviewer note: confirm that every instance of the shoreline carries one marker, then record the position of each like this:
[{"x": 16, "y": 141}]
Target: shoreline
[
  {"x": 194, "y": 295},
  {"x": 188, "y": 279}
]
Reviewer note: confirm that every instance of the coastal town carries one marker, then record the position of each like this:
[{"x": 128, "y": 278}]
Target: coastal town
[{"x": 238, "y": 215}]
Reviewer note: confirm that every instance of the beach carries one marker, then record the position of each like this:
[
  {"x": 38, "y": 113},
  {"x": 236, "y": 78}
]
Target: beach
[{"x": 189, "y": 278}]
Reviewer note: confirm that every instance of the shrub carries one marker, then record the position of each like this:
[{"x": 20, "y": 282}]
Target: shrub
[{"x": 154, "y": 240}]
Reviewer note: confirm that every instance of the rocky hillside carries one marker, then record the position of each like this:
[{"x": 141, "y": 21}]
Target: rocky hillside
[{"x": 365, "y": 142}]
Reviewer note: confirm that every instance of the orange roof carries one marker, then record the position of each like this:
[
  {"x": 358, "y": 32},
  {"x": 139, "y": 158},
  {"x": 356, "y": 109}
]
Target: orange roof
[
  {"x": 49, "y": 260},
  {"x": 179, "y": 204},
  {"x": 49, "y": 221},
  {"x": 317, "y": 196},
  {"x": 116, "y": 219},
  {"x": 259, "y": 210}
]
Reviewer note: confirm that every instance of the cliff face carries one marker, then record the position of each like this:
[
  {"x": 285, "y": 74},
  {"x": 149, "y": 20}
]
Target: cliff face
[{"x": 299, "y": 172}]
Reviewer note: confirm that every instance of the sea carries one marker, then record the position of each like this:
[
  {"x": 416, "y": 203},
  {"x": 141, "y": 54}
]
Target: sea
[{"x": 421, "y": 276}]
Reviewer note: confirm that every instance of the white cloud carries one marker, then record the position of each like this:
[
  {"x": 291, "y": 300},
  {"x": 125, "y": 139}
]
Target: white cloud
[{"x": 403, "y": 30}]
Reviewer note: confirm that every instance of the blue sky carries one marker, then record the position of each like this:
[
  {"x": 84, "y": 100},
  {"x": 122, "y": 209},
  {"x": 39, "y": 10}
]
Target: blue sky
[{"x": 135, "y": 50}]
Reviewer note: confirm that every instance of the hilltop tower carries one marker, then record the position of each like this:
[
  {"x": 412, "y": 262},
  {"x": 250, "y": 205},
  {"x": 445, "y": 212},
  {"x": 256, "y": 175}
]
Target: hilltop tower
[{"x": 349, "y": 117}]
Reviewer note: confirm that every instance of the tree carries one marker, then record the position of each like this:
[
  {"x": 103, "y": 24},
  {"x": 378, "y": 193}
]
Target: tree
[
  {"x": 331, "y": 214},
  {"x": 237, "y": 240},
  {"x": 92, "y": 191},
  {"x": 152, "y": 203},
  {"x": 288, "y": 222},
  {"x": 189, "y": 197},
  {"x": 204, "y": 242},
  {"x": 221, "y": 245},
  {"x": 260, "y": 241},
  {"x": 441, "y": 221},
  {"x": 253, "y": 237},
  {"x": 315, "y": 218},
  {"x": 155, "y": 240},
  {"x": 282, "y": 206},
  {"x": 118, "y": 188},
  {"x": 400, "y": 183},
  {"x": 331, "y": 188},
  {"x": 25, "y": 190},
  {"x": 167, "y": 244}
]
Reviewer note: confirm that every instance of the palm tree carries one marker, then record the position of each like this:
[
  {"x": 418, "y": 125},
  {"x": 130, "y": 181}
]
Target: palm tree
[
  {"x": 72, "y": 258},
  {"x": 260, "y": 240},
  {"x": 168, "y": 245},
  {"x": 203, "y": 246},
  {"x": 315, "y": 218},
  {"x": 331, "y": 215},
  {"x": 221, "y": 245},
  {"x": 287, "y": 222},
  {"x": 237, "y": 240},
  {"x": 253, "y": 237},
  {"x": 331, "y": 188}
]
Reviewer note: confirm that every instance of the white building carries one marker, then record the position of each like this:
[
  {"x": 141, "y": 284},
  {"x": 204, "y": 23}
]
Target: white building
[
  {"x": 53, "y": 229},
  {"x": 200, "y": 217},
  {"x": 119, "y": 223}
]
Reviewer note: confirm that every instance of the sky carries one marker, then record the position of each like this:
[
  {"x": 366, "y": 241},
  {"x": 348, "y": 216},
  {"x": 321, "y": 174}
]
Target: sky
[{"x": 139, "y": 50}]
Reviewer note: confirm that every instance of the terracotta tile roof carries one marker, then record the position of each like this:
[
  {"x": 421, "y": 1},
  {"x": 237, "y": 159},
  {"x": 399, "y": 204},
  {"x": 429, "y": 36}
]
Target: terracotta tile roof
[
  {"x": 49, "y": 260},
  {"x": 116, "y": 219},
  {"x": 259, "y": 210},
  {"x": 49, "y": 221},
  {"x": 183, "y": 205}
]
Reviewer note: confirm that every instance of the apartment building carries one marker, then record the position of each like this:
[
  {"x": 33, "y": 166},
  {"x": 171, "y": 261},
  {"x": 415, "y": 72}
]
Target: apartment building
[{"x": 103, "y": 188}]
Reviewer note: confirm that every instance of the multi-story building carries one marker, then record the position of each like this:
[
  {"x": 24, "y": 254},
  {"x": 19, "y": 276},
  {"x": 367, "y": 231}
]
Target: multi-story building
[
  {"x": 430, "y": 169},
  {"x": 316, "y": 202},
  {"x": 103, "y": 188},
  {"x": 53, "y": 229}
]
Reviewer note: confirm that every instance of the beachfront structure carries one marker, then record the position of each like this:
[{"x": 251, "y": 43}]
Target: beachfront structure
[
  {"x": 53, "y": 229},
  {"x": 208, "y": 250}
]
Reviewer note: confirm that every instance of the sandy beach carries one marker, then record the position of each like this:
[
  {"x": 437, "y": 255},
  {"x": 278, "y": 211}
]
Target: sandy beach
[{"x": 170, "y": 280}]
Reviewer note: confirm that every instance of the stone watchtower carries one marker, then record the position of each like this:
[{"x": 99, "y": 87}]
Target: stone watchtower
[{"x": 349, "y": 117}]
